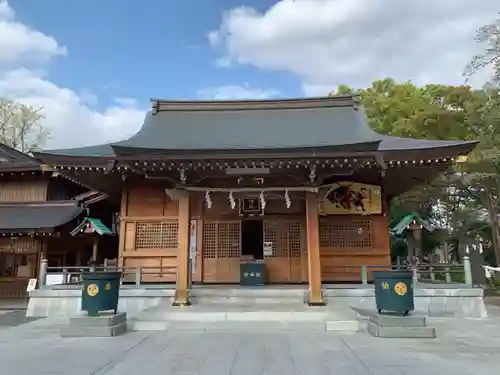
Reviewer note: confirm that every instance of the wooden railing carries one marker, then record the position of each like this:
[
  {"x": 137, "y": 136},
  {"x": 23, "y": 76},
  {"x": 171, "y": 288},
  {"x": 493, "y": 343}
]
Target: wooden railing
[
  {"x": 72, "y": 276},
  {"x": 13, "y": 288},
  {"x": 438, "y": 273}
]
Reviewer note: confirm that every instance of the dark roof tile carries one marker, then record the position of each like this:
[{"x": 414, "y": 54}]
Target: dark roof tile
[{"x": 22, "y": 217}]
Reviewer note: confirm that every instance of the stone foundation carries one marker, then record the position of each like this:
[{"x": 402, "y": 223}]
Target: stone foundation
[{"x": 430, "y": 300}]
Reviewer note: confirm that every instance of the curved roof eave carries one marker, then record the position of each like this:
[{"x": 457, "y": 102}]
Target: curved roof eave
[{"x": 405, "y": 148}]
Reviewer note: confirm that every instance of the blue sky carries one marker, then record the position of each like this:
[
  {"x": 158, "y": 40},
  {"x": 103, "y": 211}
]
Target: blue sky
[
  {"x": 158, "y": 50},
  {"x": 94, "y": 65}
]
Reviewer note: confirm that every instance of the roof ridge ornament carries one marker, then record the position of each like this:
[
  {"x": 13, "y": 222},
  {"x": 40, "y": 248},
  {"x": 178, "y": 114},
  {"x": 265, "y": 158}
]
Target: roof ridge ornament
[
  {"x": 154, "y": 107},
  {"x": 255, "y": 104},
  {"x": 356, "y": 101}
]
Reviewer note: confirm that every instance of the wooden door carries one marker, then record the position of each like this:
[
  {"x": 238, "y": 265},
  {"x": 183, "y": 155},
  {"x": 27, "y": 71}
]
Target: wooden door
[
  {"x": 285, "y": 263},
  {"x": 221, "y": 251}
]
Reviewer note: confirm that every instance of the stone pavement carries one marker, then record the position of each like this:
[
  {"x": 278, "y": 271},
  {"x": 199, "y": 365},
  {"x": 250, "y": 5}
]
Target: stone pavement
[{"x": 465, "y": 347}]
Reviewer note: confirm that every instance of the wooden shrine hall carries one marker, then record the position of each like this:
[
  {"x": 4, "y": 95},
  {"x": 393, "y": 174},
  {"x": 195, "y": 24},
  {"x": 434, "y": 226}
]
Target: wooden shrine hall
[{"x": 302, "y": 185}]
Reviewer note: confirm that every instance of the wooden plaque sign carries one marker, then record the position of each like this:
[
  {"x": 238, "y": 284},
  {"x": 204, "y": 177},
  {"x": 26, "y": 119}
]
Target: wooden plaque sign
[
  {"x": 348, "y": 198},
  {"x": 250, "y": 207}
]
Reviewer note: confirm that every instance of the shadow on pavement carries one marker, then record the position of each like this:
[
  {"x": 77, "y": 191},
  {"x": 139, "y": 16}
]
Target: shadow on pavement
[{"x": 14, "y": 318}]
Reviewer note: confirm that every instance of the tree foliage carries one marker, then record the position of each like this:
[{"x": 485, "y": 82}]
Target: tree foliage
[
  {"x": 21, "y": 126},
  {"x": 465, "y": 199},
  {"x": 488, "y": 35}
]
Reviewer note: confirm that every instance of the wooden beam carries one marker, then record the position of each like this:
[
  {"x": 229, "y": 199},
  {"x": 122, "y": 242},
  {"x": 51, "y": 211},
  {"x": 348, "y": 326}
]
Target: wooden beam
[
  {"x": 315, "y": 297},
  {"x": 182, "y": 283},
  {"x": 251, "y": 189}
]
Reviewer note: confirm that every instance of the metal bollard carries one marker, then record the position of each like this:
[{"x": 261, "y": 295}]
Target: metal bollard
[
  {"x": 447, "y": 276},
  {"x": 138, "y": 277},
  {"x": 432, "y": 274},
  {"x": 364, "y": 274},
  {"x": 414, "y": 275},
  {"x": 467, "y": 271},
  {"x": 42, "y": 275},
  {"x": 190, "y": 274}
]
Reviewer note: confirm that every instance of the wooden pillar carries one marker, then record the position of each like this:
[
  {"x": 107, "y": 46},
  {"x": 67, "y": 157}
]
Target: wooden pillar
[
  {"x": 123, "y": 226},
  {"x": 182, "y": 283},
  {"x": 78, "y": 258},
  {"x": 315, "y": 297},
  {"x": 95, "y": 247}
]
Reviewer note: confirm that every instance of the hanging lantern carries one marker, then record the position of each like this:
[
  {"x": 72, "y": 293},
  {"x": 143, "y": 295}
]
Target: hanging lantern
[
  {"x": 416, "y": 229},
  {"x": 208, "y": 199},
  {"x": 232, "y": 201},
  {"x": 288, "y": 202}
]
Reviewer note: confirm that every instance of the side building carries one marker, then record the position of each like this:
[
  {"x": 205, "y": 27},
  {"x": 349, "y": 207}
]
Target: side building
[
  {"x": 38, "y": 210},
  {"x": 302, "y": 184}
]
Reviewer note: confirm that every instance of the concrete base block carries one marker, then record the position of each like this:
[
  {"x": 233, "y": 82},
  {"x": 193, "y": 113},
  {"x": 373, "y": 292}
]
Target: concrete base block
[
  {"x": 102, "y": 320},
  {"x": 94, "y": 331},
  {"x": 398, "y": 321},
  {"x": 401, "y": 332},
  {"x": 104, "y": 325}
]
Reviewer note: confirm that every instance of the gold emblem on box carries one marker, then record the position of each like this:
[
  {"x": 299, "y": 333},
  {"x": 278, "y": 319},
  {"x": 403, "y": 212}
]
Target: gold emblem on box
[
  {"x": 92, "y": 290},
  {"x": 400, "y": 289}
]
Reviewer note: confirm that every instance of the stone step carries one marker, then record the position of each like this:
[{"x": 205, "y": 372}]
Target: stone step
[
  {"x": 249, "y": 292},
  {"x": 240, "y": 326},
  {"x": 216, "y": 316},
  {"x": 188, "y": 314},
  {"x": 250, "y": 300},
  {"x": 342, "y": 326},
  {"x": 401, "y": 332},
  {"x": 398, "y": 321},
  {"x": 93, "y": 331}
]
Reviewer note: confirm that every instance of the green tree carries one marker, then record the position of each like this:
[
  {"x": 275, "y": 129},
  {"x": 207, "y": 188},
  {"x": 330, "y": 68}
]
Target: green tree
[
  {"x": 466, "y": 191},
  {"x": 488, "y": 35},
  {"x": 21, "y": 126}
]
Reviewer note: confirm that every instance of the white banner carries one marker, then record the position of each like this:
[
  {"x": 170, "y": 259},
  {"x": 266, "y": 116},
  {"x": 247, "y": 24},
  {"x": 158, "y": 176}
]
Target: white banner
[
  {"x": 488, "y": 271},
  {"x": 192, "y": 244}
]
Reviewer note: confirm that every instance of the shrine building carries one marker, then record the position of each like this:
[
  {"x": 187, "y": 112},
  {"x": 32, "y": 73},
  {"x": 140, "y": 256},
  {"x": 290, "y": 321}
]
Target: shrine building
[{"x": 302, "y": 184}]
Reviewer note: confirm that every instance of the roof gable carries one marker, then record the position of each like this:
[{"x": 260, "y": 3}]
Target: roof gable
[
  {"x": 252, "y": 125},
  {"x": 191, "y": 128},
  {"x": 14, "y": 160}
]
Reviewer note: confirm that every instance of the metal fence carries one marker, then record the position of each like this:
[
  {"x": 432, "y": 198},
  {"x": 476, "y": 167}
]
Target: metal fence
[
  {"x": 71, "y": 276},
  {"x": 424, "y": 273},
  {"x": 439, "y": 273}
]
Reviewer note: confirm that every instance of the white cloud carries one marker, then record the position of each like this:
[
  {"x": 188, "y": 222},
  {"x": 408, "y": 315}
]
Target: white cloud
[
  {"x": 6, "y": 12},
  {"x": 69, "y": 114},
  {"x": 236, "y": 92},
  {"x": 19, "y": 42},
  {"x": 330, "y": 42}
]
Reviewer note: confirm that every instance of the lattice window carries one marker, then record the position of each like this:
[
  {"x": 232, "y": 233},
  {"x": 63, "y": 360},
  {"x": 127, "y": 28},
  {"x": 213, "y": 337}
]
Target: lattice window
[
  {"x": 285, "y": 236},
  {"x": 294, "y": 238},
  {"x": 24, "y": 245},
  {"x": 209, "y": 240},
  {"x": 270, "y": 235},
  {"x": 342, "y": 233},
  {"x": 221, "y": 240},
  {"x": 229, "y": 240},
  {"x": 160, "y": 235}
]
